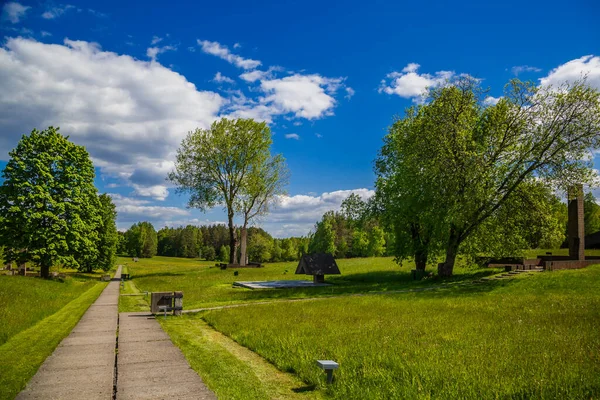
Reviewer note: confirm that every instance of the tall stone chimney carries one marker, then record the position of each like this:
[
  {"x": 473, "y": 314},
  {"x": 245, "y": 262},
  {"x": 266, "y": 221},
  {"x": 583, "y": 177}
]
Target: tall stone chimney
[{"x": 576, "y": 228}]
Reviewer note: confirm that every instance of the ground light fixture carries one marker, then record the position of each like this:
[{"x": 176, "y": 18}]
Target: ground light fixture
[{"x": 328, "y": 366}]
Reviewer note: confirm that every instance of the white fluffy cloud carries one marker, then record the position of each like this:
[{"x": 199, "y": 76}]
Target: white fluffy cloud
[
  {"x": 410, "y": 84},
  {"x": 307, "y": 96},
  {"x": 304, "y": 96},
  {"x": 294, "y": 136},
  {"x": 253, "y": 76},
  {"x": 221, "y": 51},
  {"x": 155, "y": 40},
  {"x": 55, "y": 12},
  {"x": 153, "y": 52},
  {"x": 491, "y": 100},
  {"x": 349, "y": 93},
  {"x": 130, "y": 114},
  {"x": 575, "y": 69},
  {"x": 220, "y": 78},
  {"x": 14, "y": 12},
  {"x": 523, "y": 68},
  {"x": 133, "y": 210},
  {"x": 157, "y": 192}
]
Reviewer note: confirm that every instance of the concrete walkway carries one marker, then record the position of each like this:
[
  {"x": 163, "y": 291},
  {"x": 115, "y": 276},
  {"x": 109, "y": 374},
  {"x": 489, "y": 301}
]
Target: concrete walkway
[
  {"x": 150, "y": 366},
  {"x": 83, "y": 364}
]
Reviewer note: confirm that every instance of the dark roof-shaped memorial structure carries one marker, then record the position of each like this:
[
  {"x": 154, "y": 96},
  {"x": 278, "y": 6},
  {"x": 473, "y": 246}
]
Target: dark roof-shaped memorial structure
[{"x": 318, "y": 264}]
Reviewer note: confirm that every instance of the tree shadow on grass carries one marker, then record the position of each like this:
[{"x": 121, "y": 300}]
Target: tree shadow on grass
[
  {"x": 363, "y": 283},
  {"x": 304, "y": 389},
  {"x": 154, "y": 274},
  {"x": 83, "y": 276},
  {"x": 469, "y": 288}
]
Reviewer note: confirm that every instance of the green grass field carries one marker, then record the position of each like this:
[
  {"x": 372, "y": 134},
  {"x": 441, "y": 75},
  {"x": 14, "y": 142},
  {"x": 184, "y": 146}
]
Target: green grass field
[
  {"x": 24, "y": 352},
  {"x": 35, "y": 315},
  {"x": 529, "y": 337},
  {"x": 204, "y": 285},
  {"x": 24, "y": 301}
]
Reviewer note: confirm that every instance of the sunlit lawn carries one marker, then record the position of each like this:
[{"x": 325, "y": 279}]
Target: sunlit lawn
[
  {"x": 35, "y": 315},
  {"x": 26, "y": 300},
  {"x": 529, "y": 337},
  {"x": 205, "y": 285}
]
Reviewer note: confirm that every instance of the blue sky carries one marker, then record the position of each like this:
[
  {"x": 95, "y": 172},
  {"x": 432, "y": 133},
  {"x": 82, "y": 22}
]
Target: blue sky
[{"x": 128, "y": 81}]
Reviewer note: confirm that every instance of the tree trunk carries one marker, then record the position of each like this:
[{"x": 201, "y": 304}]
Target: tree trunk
[
  {"x": 243, "y": 245},
  {"x": 445, "y": 269},
  {"x": 44, "y": 270},
  {"x": 232, "y": 239},
  {"x": 420, "y": 245},
  {"x": 421, "y": 259}
]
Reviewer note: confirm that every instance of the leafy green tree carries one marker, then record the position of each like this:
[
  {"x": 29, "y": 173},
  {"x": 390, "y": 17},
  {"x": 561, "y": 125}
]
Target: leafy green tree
[
  {"x": 533, "y": 217},
  {"x": 223, "y": 253},
  {"x": 376, "y": 246},
  {"x": 142, "y": 240},
  {"x": 323, "y": 240},
  {"x": 213, "y": 165},
  {"x": 209, "y": 253},
  {"x": 360, "y": 243},
  {"x": 122, "y": 243},
  {"x": 189, "y": 241},
  {"x": 473, "y": 158},
  {"x": 49, "y": 203},
  {"x": 264, "y": 183},
  {"x": 591, "y": 211},
  {"x": 276, "y": 253},
  {"x": 403, "y": 194},
  {"x": 354, "y": 209},
  {"x": 108, "y": 237},
  {"x": 260, "y": 245}
]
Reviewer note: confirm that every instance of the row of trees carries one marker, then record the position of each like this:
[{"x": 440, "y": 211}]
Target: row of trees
[
  {"x": 359, "y": 230},
  {"x": 207, "y": 242},
  {"x": 457, "y": 175},
  {"x": 355, "y": 231},
  {"x": 50, "y": 210}
]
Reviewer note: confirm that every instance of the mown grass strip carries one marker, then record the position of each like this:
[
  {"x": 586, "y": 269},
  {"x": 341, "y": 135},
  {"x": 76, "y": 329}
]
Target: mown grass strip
[
  {"x": 24, "y": 301},
  {"x": 228, "y": 369},
  {"x": 24, "y": 353},
  {"x": 133, "y": 303}
]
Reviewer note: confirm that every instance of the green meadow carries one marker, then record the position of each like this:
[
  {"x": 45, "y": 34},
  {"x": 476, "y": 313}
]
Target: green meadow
[
  {"x": 24, "y": 301},
  {"x": 205, "y": 285},
  {"x": 532, "y": 336},
  {"x": 35, "y": 315}
]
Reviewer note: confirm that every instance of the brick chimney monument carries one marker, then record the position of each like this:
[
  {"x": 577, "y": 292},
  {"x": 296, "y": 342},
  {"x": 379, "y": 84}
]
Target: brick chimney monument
[{"x": 576, "y": 227}]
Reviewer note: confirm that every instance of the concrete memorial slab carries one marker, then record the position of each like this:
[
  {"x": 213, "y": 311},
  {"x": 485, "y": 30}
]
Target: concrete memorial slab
[{"x": 285, "y": 284}]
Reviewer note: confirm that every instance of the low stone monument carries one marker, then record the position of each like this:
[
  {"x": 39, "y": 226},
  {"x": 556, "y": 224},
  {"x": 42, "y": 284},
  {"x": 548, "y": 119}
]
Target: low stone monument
[
  {"x": 318, "y": 265},
  {"x": 166, "y": 301}
]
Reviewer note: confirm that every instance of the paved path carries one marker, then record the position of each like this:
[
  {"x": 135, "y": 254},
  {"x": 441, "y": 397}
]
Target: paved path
[
  {"x": 83, "y": 364},
  {"x": 150, "y": 366},
  {"x": 82, "y": 367}
]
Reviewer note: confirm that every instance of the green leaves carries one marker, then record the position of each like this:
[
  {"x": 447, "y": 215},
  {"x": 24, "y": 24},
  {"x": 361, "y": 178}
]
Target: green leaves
[
  {"x": 49, "y": 203},
  {"x": 141, "y": 240},
  {"x": 230, "y": 164},
  {"x": 450, "y": 167}
]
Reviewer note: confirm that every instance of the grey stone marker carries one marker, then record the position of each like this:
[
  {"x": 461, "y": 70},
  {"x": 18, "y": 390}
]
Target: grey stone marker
[{"x": 328, "y": 366}]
